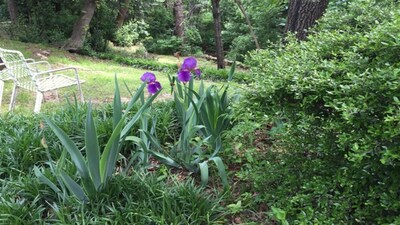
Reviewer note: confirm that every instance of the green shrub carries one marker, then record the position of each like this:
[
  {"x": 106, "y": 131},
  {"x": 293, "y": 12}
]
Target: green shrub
[
  {"x": 338, "y": 96},
  {"x": 44, "y": 21},
  {"x": 241, "y": 45},
  {"x": 160, "y": 20},
  {"x": 130, "y": 33},
  {"x": 192, "y": 42},
  {"x": 165, "y": 46},
  {"x": 3, "y": 13}
]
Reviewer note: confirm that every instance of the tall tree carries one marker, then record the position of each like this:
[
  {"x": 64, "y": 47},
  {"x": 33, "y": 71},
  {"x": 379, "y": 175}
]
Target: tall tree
[
  {"x": 246, "y": 16},
  {"x": 303, "y": 14},
  {"x": 218, "y": 37},
  {"x": 122, "y": 13},
  {"x": 179, "y": 18},
  {"x": 12, "y": 10},
  {"x": 81, "y": 26}
]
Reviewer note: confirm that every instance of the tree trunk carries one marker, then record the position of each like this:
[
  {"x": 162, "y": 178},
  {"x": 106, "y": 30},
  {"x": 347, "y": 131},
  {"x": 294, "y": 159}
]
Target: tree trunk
[
  {"x": 12, "y": 10},
  {"x": 81, "y": 27},
  {"x": 179, "y": 18},
  {"x": 303, "y": 14},
  {"x": 218, "y": 38},
  {"x": 252, "y": 33},
  {"x": 122, "y": 13}
]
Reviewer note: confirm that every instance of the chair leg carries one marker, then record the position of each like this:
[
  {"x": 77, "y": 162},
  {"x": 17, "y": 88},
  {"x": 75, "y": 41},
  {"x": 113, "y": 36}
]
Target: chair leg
[
  {"x": 79, "y": 86},
  {"x": 13, "y": 98},
  {"x": 57, "y": 96},
  {"x": 1, "y": 91},
  {"x": 38, "y": 104},
  {"x": 80, "y": 91}
]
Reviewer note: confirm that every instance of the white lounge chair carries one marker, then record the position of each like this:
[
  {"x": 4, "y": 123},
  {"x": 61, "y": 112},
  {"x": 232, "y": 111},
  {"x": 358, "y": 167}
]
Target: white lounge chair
[
  {"x": 4, "y": 76},
  {"x": 28, "y": 76}
]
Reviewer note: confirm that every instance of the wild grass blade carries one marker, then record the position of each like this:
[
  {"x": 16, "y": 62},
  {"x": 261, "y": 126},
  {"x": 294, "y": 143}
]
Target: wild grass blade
[
  {"x": 201, "y": 88},
  {"x": 69, "y": 145},
  {"x": 211, "y": 107},
  {"x": 135, "y": 97},
  {"x": 138, "y": 114},
  {"x": 117, "y": 105},
  {"x": 179, "y": 89},
  {"x": 221, "y": 170},
  {"x": 109, "y": 156},
  {"x": 164, "y": 159},
  {"x": 42, "y": 178},
  {"x": 189, "y": 94},
  {"x": 218, "y": 146},
  {"x": 232, "y": 71},
  {"x": 111, "y": 151},
  {"x": 154, "y": 141},
  {"x": 160, "y": 156},
  {"x": 112, "y": 154},
  {"x": 204, "y": 172},
  {"x": 92, "y": 149},
  {"x": 128, "y": 89},
  {"x": 73, "y": 187}
]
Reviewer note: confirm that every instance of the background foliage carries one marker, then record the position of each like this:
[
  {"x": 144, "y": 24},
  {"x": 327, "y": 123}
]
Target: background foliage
[{"x": 151, "y": 22}]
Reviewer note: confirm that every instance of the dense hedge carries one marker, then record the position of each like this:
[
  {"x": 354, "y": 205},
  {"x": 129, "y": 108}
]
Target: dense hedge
[{"x": 338, "y": 94}]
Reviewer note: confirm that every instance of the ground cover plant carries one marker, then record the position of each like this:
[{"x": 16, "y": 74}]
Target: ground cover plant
[{"x": 88, "y": 179}]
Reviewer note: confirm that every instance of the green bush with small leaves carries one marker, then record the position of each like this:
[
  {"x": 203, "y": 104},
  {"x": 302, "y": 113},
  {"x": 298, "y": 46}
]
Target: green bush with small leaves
[
  {"x": 165, "y": 45},
  {"x": 338, "y": 96},
  {"x": 131, "y": 32}
]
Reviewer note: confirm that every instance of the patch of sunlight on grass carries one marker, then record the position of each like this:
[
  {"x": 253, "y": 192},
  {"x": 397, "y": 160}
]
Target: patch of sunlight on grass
[
  {"x": 167, "y": 59},
  {"x": 128, "y": 50}
]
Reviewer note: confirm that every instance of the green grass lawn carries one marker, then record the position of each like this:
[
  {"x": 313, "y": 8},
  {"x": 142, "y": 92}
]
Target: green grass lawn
[{"x": 97, "y": 74}]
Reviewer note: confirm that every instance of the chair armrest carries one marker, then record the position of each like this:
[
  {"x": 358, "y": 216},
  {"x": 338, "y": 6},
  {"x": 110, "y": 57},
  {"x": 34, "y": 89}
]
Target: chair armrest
[
  {"x": 38, "y": 62},
  {"x": 35, "y": 63},
  {"x": 56, "y": 70}
]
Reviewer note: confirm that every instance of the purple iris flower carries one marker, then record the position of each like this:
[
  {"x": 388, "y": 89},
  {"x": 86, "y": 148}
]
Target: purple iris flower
[
  {"x": 184, "y": 75},
  {"x": 153, "y": 87},
  {"x": 189, "y": 65},
  {"x": 152, "y": 84},
  {"x": 148, "y": 77},
  {"x": 197, "y": 72}
]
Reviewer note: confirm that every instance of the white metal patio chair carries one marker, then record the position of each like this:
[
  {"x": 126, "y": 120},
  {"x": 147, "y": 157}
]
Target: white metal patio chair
[
  {"x": 28, "y": 76},
  {"x": 4, "y": 76}
]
